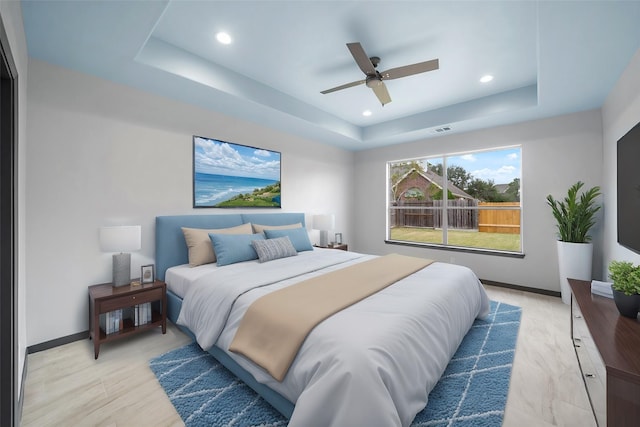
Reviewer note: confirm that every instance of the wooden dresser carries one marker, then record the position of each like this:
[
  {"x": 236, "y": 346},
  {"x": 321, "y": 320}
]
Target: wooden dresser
[{"x": 608, "y": 350}]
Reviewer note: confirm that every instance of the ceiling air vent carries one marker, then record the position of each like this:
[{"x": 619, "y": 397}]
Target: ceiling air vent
[{"x": 443, "y": 129}]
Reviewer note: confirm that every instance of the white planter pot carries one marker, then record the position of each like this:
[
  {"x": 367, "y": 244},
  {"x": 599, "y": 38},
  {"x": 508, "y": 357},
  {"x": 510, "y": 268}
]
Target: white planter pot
[{"x": 574, "y": 261}]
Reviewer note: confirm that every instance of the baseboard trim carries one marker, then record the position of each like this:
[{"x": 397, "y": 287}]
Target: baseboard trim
[
  {"x": 57, "y": 342},
  {"x": 20, "y": 402},
  {"x": 521, "y": 288}
]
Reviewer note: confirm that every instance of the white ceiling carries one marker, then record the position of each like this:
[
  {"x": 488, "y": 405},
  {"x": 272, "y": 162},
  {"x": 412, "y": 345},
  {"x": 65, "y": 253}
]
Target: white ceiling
[{"x": 547, "y": 58}]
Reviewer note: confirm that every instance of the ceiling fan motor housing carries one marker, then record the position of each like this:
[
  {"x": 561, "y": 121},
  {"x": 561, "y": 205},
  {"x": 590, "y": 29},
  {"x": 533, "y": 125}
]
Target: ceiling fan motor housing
[{"x": 373, "y": 81}]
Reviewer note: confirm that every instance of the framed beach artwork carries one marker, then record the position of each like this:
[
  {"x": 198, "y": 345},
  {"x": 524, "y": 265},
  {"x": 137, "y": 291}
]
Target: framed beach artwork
[{"x": 228, "y": 175}]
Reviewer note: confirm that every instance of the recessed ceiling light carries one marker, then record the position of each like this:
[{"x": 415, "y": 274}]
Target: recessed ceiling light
[
  {"x": 366, "y": 113},
  {"x": 223, "y": 37},
  {"x": 486, "y": 79}
]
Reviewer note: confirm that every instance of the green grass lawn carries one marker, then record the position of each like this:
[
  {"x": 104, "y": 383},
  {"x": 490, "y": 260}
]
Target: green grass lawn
[
  {"x": 268, "y": 196},
  {"x": 470, "y": 239},
  {"x": 248, "y": 201}
]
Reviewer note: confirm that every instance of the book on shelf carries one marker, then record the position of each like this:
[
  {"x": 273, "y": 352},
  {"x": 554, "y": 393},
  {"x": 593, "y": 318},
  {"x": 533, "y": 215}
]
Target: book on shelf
[
  {"x": 103, "y": 322},
  {"x": 142, "y": 314},
  {"x": 112, "y": 321}
]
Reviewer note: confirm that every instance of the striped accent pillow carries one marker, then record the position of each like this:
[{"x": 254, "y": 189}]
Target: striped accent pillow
[{"x": 271, "y": 249}]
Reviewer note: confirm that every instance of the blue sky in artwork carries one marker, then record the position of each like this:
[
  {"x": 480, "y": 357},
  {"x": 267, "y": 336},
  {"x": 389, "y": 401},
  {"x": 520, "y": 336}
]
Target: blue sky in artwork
[{"x": 223, "y": 158}]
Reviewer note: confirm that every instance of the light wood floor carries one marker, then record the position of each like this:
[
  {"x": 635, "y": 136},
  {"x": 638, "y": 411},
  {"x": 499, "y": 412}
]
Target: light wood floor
[{"x": 65, "y": 386}]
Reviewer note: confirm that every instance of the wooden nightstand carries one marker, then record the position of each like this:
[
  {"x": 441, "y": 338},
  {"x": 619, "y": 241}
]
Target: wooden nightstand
[
  {"x": 340, "y": 246},
  {"x": 106, "y": 298}
]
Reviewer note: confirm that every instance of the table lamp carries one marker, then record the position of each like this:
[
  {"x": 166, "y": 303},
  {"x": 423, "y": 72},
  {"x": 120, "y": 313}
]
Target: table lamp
[
  {"x": 121, "y": 239},
  {"x": 324, "y": 223}
]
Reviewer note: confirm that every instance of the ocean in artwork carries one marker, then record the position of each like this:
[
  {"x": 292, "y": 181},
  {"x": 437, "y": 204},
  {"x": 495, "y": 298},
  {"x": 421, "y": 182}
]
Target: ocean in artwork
[{"x": 213, "y": 189}]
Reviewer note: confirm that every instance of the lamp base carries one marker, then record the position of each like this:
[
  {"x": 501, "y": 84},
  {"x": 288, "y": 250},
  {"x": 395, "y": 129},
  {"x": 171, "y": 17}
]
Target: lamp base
[
  {"x": 324, "y": 238},
  {"x": 121, "y": 269}
]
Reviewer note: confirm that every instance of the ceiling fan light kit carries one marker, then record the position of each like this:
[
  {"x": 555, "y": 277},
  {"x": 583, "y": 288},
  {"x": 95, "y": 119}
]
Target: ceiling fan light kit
[
  {"x": 375, "y": 79},
  {"x": 373, "y": 82}
]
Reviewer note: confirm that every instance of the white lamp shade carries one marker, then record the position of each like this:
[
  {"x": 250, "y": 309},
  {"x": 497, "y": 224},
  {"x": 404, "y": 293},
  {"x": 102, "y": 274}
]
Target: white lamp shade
[
  {"x": 121, "y": 238},
  {"x": 324, "y": 222}
]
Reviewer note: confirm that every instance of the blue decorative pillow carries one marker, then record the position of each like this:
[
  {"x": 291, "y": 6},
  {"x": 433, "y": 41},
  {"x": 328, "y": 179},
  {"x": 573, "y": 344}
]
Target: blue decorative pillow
[
  {"x": 232, "y": 248},
  {"x": 271, "y": 249},
  {"x": 298, "y": 236}
]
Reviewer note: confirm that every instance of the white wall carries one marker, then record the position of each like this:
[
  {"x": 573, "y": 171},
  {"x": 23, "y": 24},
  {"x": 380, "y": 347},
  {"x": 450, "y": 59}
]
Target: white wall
[
  {"x": 11, "y": 15},
  {"x": 556, "y": 153},
  {"x": 101, "y": 153},
  {"x": 620, "y": 112}
]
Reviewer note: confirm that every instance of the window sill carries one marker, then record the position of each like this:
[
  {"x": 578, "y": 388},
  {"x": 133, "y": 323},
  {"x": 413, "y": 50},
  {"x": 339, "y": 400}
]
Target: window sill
[{"x": 457, "y": 249}]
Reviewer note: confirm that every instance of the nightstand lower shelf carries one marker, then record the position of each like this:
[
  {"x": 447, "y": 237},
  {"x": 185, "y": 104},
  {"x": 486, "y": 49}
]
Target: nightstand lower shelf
[{"x": 129, "y": 328}]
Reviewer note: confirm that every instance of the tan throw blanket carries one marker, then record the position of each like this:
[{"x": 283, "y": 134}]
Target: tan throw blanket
[{"x": 275, "y": 325}]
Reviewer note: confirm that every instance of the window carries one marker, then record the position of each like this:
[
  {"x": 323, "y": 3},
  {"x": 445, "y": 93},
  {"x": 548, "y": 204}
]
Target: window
[{"x": 480, "y": 212}]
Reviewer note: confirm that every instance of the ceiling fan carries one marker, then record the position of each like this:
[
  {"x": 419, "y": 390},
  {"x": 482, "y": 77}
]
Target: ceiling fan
[{"x": 375, "y": 79}]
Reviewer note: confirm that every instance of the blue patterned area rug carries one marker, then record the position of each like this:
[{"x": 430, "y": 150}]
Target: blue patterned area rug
[{"x": 471, "y": 393}]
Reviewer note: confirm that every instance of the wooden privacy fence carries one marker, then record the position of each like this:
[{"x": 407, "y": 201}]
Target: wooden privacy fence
[
  {"x": 417, "y": 216},
  {"x": 499, "y": 220},
  {"x": 428, "y": 214}
]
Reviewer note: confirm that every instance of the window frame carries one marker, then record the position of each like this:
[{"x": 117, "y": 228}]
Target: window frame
[{"x": 445, "y": 208}]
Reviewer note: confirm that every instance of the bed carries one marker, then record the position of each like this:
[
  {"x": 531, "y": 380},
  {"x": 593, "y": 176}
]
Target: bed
[{"x": 372, "y": 363}]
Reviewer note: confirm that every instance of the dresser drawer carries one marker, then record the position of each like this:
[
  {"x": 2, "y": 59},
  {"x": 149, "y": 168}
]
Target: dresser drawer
[
  {"x": 591, "y": 365},
  {"x": 130, "y": 300}
]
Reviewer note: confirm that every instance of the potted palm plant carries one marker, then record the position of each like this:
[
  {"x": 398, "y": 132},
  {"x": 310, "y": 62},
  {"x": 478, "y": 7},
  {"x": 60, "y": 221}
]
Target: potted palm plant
[
  {"x": 575, "y": 216},
  {"x": 626, "y": 287}
]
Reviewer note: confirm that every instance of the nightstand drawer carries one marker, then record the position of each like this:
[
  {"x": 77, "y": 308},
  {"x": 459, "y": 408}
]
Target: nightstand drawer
[{"x": 131, "y": 300}]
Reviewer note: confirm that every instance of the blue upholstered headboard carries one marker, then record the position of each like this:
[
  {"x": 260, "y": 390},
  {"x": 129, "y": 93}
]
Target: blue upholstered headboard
[{"x": 171, "y": 248}]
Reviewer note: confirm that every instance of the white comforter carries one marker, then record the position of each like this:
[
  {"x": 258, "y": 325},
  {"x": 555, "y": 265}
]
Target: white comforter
[{"x": 372, "y": 364}]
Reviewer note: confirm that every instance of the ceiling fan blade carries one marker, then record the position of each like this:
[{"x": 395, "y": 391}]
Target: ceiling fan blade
[
  {"x": 361, "y": 58},
  {"x": 409, "y": 70},
  {"x": 344, "y": 86},
  {"x": 382, "y": 93}
]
